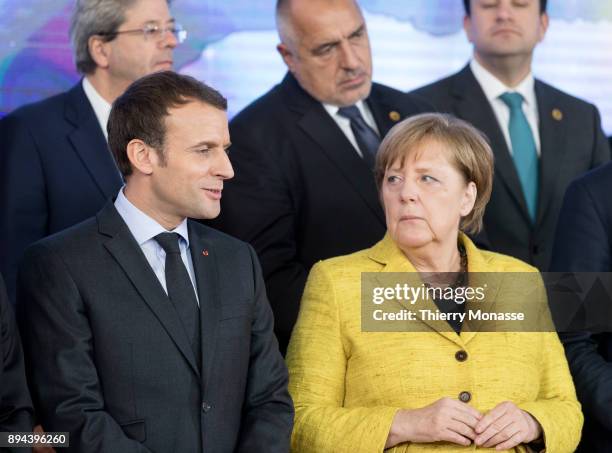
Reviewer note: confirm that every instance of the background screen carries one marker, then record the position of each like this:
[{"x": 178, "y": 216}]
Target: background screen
[{"x": 231, "y": 46}]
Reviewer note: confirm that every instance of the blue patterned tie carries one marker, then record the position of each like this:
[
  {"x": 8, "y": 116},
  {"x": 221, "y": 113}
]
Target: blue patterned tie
[
  {"x": 367, "y": 140},
  {"x": 524, "y": 151}
]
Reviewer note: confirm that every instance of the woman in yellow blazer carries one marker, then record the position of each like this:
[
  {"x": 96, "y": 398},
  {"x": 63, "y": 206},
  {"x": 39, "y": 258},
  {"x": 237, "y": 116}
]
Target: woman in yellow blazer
[{"x": 440, "y": 389}]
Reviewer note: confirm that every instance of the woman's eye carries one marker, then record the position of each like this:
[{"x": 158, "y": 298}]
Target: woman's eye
[
  {"x": 427, "y": 178},
  {"x": 392, "y": 179}
]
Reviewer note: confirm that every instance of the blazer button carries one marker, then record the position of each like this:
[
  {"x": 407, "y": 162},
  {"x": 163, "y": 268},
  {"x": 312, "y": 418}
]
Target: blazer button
[
  {"x": 465, "y": 397},
  {"x": 461, "y": 356},
  {"x": 205, "y": 407}
]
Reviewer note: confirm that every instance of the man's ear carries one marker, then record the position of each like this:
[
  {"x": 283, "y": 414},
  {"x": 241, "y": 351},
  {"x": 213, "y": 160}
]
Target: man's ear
[
  {"x": 142, "y": 157},
  {"x": 467, "y": 27},
  {"x": 99, "y": 50},
  {"x": 286, "y": 55},
  {"x": 544, "y": 21}
]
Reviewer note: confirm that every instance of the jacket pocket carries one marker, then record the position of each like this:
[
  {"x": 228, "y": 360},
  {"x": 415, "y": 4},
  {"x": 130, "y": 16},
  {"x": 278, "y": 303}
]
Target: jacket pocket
[{"x": 135, "y": 429}]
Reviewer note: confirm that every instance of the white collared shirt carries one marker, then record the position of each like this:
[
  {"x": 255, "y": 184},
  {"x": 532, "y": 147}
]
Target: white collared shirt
[
  {"x": 101, "y": 107},
  {"x": 144, "y": 229},
  {"x": 493, "y": 88},
  {"x": 345, "y": 124}
]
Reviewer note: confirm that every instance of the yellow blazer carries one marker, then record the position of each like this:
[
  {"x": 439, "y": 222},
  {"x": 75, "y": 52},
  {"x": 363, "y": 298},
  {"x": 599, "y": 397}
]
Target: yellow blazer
[{"x": 347, "y": 384}]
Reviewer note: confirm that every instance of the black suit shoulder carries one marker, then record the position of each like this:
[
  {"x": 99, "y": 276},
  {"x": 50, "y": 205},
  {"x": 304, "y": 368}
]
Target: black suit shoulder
[
  {"x": 38, "y": 112},
  {"x": 409, "y": 103},
  {"x": 436, "y": 93},
  {"x": 571, "y": 103}
]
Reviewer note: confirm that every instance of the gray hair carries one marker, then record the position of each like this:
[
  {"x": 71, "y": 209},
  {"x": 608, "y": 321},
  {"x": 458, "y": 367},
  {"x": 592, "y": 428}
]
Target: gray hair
[{"x": 92, "y": 17}]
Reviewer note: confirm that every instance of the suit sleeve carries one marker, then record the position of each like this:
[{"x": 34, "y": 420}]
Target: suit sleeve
[
  {"x": 317, "y": 367},
  {"x": 268, "y": 410},
  {"x": 16, "y": 413},
  {"x": 259, "y": 207},
  {"x": 556, "y": 406},
  {"x": 23, "y": 204},
  {"x": 60, "y": 348},
  {"x": 582, "y": 244}
]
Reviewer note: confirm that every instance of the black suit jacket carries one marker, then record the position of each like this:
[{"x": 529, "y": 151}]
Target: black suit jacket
[
  {"x": 583, "y": 243},
  {"x": 572, "y": 142},
  {"x": 301, "y": 193},
  {"x": 15, "y": 404},
  {"x": 111, "y": 364},
  {"x": 55, "y": 170}
]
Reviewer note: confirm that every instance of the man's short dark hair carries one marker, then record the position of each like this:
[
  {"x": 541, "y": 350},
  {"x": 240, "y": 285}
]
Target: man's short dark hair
[
  {"x": 468, "y": 11},
  {"x": 140, "y": 112}
]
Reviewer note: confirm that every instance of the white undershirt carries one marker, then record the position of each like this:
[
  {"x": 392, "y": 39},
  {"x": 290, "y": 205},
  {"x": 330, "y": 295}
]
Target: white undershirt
[
  {"x": 101, "y": 107},
  {"x": 493, "y": 88},
  {"x": 345, "y": 124}
]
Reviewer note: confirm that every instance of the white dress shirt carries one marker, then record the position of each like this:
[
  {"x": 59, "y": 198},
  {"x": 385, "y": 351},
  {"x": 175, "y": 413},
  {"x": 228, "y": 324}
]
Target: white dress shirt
[
  {"x": 493, "y": 88},
  {"x": 101, "y": 107},
  {"x": 345, "y": 124},
  {"x": 144, "y": 229}
]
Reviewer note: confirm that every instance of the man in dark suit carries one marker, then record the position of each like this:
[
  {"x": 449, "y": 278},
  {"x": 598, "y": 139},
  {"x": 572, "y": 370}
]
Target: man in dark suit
[
  {"x": 303, "y": 153},
  {"x": 583, "y": 243},
  {"x": 149, "y": 332},
  {"x": 55, "y": 166},
  {"x": 542, "y": 138},
  {"x": 15, "y": 405}
]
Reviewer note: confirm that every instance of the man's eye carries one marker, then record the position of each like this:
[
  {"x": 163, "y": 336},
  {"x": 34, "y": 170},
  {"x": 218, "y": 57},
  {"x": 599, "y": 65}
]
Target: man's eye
[
  {"x": 152, "y": 30},
  {"x": 325, "y": 50}
]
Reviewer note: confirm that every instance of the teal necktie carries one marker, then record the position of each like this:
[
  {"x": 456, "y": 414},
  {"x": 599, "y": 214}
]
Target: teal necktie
[{"x": 524, "y": 151}]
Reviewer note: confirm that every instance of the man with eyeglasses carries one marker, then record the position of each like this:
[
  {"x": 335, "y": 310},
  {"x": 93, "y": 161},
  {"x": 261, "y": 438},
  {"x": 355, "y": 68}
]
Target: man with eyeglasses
[{"x": 55, "y": 166}]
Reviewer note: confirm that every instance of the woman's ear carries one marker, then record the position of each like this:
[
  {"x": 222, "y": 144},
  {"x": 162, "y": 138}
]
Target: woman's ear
[{"x": 469, "y": 199}]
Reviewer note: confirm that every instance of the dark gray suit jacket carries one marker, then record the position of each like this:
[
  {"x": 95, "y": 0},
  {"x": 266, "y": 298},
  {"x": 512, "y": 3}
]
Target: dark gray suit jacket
[
  {"x": 55, "y": 171},
  {"x": 583, "y": 243},
  {"x": 111, "y": 364},
  {"x": 16, "y": 413},
  {"x": 572, "y": 142}
]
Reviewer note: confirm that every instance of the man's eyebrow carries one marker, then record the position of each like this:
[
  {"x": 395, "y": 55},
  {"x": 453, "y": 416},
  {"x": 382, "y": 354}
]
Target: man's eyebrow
[
  {"x": 155, "y": 22},
  {"x": 358, "y": 31},
  {"x": 203, "y": 143},
  {"x": 208, "y": 144},
  {"x": 355, "y": 33}
]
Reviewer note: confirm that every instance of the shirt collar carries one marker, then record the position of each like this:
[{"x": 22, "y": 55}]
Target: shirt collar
[
  {"x": 493, "y": 88},
  {"x": 143, "y": 227},
  {"x": 333, "y": 109},
  {"x": 101, "y": 106}
]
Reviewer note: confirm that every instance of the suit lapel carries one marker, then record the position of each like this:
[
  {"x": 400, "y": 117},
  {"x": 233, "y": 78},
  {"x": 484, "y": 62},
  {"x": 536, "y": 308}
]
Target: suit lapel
[
  {"x": 323, "y": 130},
  {"x": 473, "y": 106},
  {"x": 382, "y": 109},
  {"x": 388, "y": 253},
  {"x": 552, "y": 149},
  {"x": 128, "y": 254},
  {"x": 89, "y": 143},
  {"x": 203, "y": 256}
]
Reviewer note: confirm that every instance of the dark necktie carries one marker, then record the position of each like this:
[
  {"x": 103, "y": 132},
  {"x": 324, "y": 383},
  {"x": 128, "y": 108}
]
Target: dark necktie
[
  {"x": 524, "y": 152},
  {"x": 180, "y": 290},
  {"x": 367, "y": 140}
]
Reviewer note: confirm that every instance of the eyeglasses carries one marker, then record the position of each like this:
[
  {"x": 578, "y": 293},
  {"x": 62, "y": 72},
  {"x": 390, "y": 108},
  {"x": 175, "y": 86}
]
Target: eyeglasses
[{"x": 153, "y": 32}]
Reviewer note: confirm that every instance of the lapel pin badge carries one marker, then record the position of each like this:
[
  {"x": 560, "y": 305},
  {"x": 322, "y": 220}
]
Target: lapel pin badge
[
  {"x": 557, "y": 114},
  {"x": 204, "y": 252},
  {"x": 394, "y": 116}
]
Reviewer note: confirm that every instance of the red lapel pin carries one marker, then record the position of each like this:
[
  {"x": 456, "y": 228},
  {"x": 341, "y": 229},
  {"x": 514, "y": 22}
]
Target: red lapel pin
[{"x": 205, "y": 252}]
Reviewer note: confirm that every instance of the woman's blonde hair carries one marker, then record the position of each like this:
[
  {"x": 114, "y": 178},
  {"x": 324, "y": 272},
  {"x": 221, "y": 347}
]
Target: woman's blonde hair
[{"x": 469, "y": 153}]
